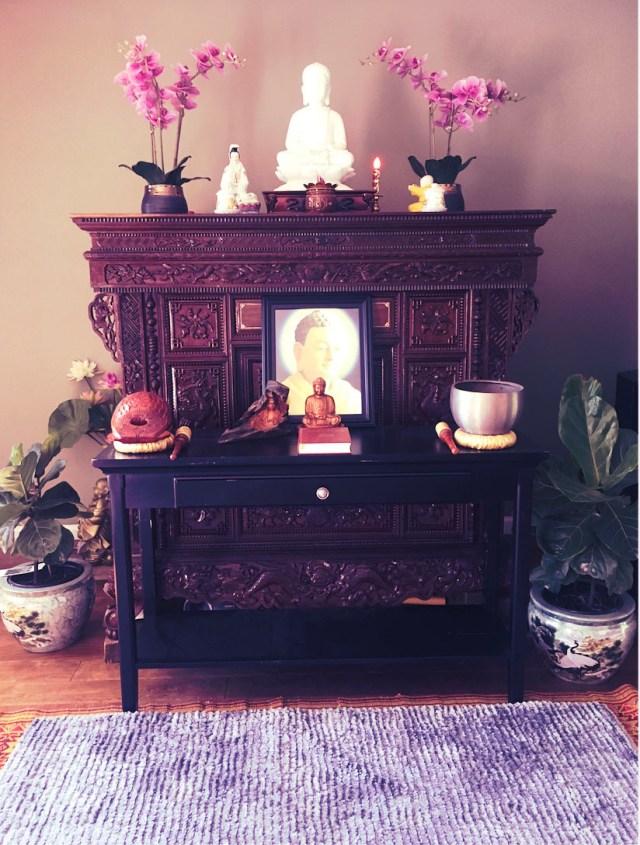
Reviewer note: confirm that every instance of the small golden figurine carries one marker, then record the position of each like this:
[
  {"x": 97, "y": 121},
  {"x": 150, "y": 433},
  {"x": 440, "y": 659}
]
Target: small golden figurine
[
  {"x": 319, "y": 408},
  {"x": 95, "y": 530},
  {"x": 271, "y": 415}
]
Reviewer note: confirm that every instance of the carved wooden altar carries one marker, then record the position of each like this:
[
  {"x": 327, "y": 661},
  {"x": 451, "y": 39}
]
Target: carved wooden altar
[{"x": 177, "y": 302}]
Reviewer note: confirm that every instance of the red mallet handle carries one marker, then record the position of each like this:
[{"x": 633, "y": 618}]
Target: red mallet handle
[
  {"x": 446, "y": 435},
  {"x": 183, "y": 436}
]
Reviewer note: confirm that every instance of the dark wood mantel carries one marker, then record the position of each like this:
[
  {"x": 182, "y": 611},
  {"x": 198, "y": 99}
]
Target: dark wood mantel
[{"x": 177, "y": 301}]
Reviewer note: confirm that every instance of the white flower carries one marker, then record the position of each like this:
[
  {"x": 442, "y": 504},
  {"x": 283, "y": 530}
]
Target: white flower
[{"x": 82, "y": 369}]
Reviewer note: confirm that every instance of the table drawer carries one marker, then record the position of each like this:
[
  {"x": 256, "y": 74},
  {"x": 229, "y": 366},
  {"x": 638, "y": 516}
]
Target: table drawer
[{"x": 321, "y": 489}]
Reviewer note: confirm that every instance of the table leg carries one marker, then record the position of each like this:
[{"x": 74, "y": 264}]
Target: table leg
[
  {"x": 492, "y": 536},
  {"x": 519, "y": 585},
  {"x": 121, "y": 542}
]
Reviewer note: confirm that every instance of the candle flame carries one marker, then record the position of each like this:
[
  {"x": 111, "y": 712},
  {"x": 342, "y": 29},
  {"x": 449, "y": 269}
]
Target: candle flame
[{"x": 377, "y": 163}]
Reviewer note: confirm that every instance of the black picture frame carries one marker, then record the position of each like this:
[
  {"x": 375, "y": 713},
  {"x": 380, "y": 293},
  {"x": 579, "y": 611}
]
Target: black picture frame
[{"x": 345, "y": 337}]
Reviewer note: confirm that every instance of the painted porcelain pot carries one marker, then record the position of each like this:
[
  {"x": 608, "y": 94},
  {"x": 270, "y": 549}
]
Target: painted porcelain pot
[
  {"x": 164, "y": 199},
  {"x": 48, "y": 618},
  {"x": 579, "y": 647}
]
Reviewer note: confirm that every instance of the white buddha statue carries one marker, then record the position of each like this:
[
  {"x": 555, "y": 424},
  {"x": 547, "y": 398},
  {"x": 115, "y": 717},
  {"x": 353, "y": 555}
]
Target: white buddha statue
[{"x": 316, "y": 143}]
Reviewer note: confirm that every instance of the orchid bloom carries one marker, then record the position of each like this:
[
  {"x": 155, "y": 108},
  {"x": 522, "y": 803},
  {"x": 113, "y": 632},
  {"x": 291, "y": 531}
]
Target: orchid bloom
[
  {"x": 184, "y": 90},
  {"x": 162, "y": 106},
  {"x": 471, "y": 98}
]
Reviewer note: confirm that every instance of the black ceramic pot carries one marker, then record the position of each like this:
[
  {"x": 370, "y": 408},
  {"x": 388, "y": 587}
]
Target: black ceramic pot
[{"x": 163, "y": 199}]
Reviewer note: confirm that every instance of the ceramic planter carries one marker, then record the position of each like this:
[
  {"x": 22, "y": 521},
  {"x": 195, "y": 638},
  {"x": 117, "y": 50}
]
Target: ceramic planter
[
  {"x": 581, "y": 648},
  {"x": 163, "y": 199},
  {"x": 44, "y": 619}
]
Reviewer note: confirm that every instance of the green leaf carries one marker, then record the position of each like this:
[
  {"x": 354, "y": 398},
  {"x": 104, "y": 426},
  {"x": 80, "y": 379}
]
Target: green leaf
[
  {"x": 17, "y": 454},
  {"x": 153, "y": 174},
  {"x": 54, "y": 471},
  {"x": 624, "y": 462},
  {"x": 28, "y": 466},
  {"x": 39, "y": 538},
  {"x": 61, "y": 493},
  {"x": 547, "y": 499},
  {"x": 8, "y": 535},
  {"x": 100, "y": 417},
  {"x": 597, "y": 562},
  {"x": 12, "y": 512},
  {"x": 184, "y": 181},
  {"x": 552, "y": 573},
  {"x": 467, "y": 163},
  {"x": 620, "y": 581},
  {"x": 574, "y": 489},
  {"x": 588, "y": 427},
  {"x": 50, "y": 448},
  {"x": 11, "y": 482},
  {"x": 417, "y": 168},
  {"x": 64, "y": 550},
  {"x": 70, "y": 421},
  {"x": 445, "y": 170},
  {"x": 65, "y": 510},
  {"x": 567, "y": 536},
  {"x": 616, "y": 526}
]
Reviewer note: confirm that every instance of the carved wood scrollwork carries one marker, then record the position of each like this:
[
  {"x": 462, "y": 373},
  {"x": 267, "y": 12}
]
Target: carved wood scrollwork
[
  {"x": 320, "y": 520},
  {"x": 103, "y": 319},
  {"x": 133, "y": 351},
  {"x": 291, "y": 582},
  {"x": 525, "y": 308}
]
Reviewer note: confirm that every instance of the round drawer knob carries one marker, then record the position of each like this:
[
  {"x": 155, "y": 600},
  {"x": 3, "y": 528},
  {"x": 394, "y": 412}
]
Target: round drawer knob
[{"x": 322, "y": 493}]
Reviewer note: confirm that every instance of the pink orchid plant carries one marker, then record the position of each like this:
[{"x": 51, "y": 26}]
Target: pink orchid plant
[
  {"x": 469, "y": 101},
  {"x": 162, "y": 106}
]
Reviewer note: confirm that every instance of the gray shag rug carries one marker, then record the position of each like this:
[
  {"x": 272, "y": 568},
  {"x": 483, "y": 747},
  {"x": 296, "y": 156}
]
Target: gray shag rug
[{"x": 537, "y": 773}]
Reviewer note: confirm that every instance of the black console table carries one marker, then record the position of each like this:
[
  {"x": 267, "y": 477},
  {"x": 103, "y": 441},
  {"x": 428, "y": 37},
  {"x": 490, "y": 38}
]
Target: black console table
[
  {"x": 177, "y": 301},
  {"x": 400, "y": 464}
]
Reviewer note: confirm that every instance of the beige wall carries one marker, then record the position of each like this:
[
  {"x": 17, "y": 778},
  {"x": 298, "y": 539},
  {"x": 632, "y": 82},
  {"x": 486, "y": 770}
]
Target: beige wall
[{"x": 570, "y": 145}]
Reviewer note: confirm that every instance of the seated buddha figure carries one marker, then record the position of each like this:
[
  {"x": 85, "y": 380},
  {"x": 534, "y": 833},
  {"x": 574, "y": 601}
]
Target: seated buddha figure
[
  {"x": 316, "y": 143},
  {"x": 320, "y": 409}
]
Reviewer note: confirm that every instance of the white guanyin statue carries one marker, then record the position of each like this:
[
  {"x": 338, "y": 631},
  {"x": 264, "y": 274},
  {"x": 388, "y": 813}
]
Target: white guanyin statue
[
  {"x": 234, "y": 186},
  {"x": 316, "y": 142}
]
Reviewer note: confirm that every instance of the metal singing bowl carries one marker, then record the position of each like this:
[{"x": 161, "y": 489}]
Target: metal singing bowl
[{"x": 483, "y": 406}]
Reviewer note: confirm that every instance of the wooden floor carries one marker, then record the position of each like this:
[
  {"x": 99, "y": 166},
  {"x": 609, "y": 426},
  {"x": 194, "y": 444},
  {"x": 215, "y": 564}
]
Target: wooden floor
[{"x": 78, "y": 678}]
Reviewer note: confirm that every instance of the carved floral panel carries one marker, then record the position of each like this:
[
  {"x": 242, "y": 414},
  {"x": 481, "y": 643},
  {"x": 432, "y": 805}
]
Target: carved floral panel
[
  {"x": 428, "y": 387},
  {"x": 436, "y": 323},
  {"x": 199, "y": 394},
  {"x": 195, "y": 324}
]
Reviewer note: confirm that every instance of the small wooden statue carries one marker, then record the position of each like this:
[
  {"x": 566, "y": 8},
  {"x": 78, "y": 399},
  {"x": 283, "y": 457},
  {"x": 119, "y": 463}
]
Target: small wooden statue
[
  {"x": 319, "y": 408},
  {"x": 267, "y": 415}
]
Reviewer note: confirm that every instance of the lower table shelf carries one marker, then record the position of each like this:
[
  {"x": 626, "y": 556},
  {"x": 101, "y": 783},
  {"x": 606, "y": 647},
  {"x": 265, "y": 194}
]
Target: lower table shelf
[{"x": 329, "y": 635}]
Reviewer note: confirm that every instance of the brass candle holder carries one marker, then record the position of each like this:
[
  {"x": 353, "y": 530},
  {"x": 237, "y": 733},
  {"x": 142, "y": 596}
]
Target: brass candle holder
[{"x": 376, "y": 184}]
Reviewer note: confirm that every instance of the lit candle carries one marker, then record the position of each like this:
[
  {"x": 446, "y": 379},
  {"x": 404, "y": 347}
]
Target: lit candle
[{"x": 376, "y": 183}]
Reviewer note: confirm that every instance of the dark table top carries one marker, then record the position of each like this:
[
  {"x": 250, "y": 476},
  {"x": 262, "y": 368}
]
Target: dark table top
[{"x": 379, "y": 444}]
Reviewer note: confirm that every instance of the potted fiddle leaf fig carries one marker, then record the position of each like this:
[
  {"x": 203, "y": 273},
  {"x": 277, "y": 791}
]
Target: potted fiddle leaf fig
[
  {"x": 45, "y": 603},
  {"x": 581, "y": 614}
]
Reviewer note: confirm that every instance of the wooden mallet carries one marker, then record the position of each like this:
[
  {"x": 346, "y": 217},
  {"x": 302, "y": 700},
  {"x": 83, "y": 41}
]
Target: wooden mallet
[{"x": 446, "y": 435}]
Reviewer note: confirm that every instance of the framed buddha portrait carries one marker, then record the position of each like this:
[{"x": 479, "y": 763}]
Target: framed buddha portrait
[{"x": 320, "y": 336}]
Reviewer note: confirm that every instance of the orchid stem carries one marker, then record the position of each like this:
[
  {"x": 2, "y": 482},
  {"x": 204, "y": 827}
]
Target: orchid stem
[{"x": 178, "y": 133}]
